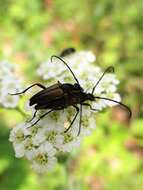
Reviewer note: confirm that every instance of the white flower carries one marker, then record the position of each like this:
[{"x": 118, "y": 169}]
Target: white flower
[
  {"x": 18, "y": 135},
  {"x": 19, "y": 149},
  {"x": 43, "y": 158},
  {"x": 53, "y": 136},
  {"x": 9, "y": 101},
  {"x": 8, "y": 84},
  {"x": 56, "y": 120},
  {"x": 70, "y": 142}
]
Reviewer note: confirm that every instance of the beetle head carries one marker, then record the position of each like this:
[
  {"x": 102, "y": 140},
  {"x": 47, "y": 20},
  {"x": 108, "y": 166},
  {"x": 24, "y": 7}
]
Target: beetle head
[{"x": 78, "y": 87}]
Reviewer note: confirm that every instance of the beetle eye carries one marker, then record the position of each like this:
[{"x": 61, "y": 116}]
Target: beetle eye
[{"x": 76, "y": 85}]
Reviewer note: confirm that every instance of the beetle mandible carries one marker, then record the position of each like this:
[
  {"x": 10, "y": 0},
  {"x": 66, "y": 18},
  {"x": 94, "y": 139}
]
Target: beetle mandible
[{"x": 60, "y": 96}]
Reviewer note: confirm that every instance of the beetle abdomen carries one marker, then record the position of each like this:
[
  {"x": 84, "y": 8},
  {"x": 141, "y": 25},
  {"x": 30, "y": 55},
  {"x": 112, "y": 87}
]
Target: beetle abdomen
[
  {"x": 54, "y": 104},
  {"x": 46, "y": 95}
]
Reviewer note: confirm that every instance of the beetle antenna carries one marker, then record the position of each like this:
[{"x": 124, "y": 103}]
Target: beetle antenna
[
  {"x": 66, "y": 65},
  {"x": 120, "y": 103},
  {"x": 109, "y": 69}
]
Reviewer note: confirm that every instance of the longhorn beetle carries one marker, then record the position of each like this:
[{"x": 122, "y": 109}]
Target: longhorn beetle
[{"x": 60, "y": 96}]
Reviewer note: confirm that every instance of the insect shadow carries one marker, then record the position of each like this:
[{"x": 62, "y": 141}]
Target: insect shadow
[{"x": 62, "y": 95}]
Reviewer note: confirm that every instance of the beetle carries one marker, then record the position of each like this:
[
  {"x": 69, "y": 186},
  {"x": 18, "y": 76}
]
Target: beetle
[{"x": 62, "y": 95}]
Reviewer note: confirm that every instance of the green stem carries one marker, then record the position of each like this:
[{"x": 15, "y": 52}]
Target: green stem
[{"x": 20, "y": 111}]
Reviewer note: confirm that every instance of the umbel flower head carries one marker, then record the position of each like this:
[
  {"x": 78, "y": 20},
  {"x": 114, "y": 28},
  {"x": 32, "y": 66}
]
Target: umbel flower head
[
  {"x": 8, "y": 84},
  {"x": 41, "y": 143}
]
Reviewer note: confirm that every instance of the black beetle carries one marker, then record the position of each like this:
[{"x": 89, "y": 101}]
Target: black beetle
[{"x": 60, "y": 96}]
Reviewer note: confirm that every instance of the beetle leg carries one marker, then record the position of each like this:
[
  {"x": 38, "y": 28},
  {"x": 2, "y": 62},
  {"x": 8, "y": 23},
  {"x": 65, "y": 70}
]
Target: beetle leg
[
  {"x": 77, "y": 111},
  {"x": 93, "y": 109},
  {"x": 36, "y": 84},
  {"x": 34, "y": 115},
  {"x": 80, "y": 119},
  {"x": 41, "y": 117}
]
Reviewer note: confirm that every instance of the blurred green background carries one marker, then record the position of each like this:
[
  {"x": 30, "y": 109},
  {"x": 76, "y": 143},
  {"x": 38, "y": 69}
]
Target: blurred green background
[{"x": 30, "y": 32}]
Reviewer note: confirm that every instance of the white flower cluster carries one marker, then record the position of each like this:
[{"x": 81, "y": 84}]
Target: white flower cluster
[
  {"x": 42, "y": 142},
  {"x": 8, "y": 84},
  {"x": 83, "y": 66}
]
